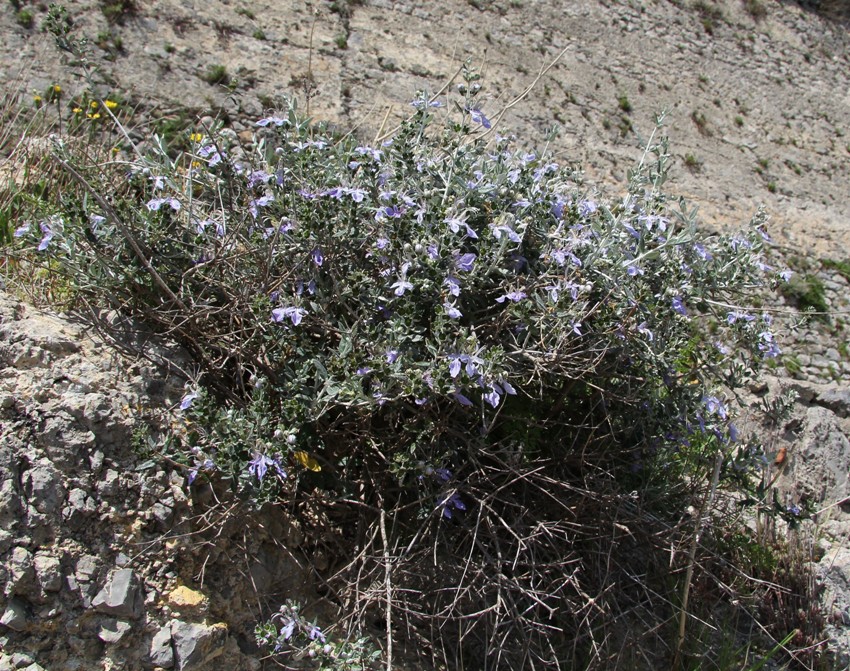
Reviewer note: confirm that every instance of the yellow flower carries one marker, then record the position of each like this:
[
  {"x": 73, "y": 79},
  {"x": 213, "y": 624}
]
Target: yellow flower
[
  {"x": 93, "y": 104},
  {"x": 57, "y": 88},
  {"x": 111, "y": 104},
  {"x": 36, "y": 99},
  {"x": 77, "y": 110},
  {"x": 94, "y": 116},
  {"x": 196, "y": 137}
]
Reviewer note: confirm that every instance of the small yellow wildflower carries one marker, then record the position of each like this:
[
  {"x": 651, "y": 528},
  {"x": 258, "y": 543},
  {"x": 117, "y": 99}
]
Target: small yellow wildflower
[
  {"x": 36, "y": 99},
  {"x": 57, "y": 88},
  {"x": 115, "y": 150},
  {"x": 94, "y": 116},
  {"x": 111, "y": 104},
  {"x": 77, "y": 110},
  {"x": 196, "y": 164},
  {"x": 93, "y": 104},
  {"x": 196, "y": 137}
]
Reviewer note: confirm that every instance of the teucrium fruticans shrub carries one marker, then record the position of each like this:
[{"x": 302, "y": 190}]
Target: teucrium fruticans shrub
[
  {"x": 383, "y": 313},
  {"x": 431, "y": 290}
]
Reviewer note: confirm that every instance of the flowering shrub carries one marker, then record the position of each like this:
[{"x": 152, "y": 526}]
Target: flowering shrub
[{"x": 444, "y": 329}]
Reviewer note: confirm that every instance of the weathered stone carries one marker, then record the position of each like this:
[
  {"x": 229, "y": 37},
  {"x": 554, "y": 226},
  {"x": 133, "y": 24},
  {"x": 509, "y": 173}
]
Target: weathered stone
[
  {"x": 161, "y": 653},
  {"x": 836, "y": 399},
  {"x": 80, "y": 506},
  {"x": 112, "y": 631},
  {"x": 20, "y": 571},
  {"x": 183, "y": 599},
  {"x": 15, "y": 615},
  {"x": 43, "y": 485},
  {"x": 120, "y": 595},
  {"x": 48, "y": 572},
  {"x": 197, "y": 644}
]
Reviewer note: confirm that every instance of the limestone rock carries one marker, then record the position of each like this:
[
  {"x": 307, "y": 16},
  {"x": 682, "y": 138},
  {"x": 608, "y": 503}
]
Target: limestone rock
[
  {"x": 197, "y": 644},
  {"x": 48, "y": 572},
  {"x": 15, "y": 615},
  {"x": 184, "y": 599},
  {"x": 161, "y": 653},
  {"x": 112, "y": 631},
  {"x": 121, "y": 595}
]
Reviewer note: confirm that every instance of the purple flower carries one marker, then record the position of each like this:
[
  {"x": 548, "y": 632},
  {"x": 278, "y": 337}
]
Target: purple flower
[
  {"x": 274, "y": 120},
  {"x": 493, "y": 395},
  {"x": 451, "y": 503},
  {"x": 465, "y": 262},
  {"x": 314, "y": 632},
  {"x": 454, "y": 366},
  {"x": 187, "y": 400},
  {"x": 254, "y": 205},
  {"x": 575, "y": 327},
  {"x": 587, "y": 208},
  {"x": 478, "y": 117},
  {"x": 295, "y": 314},
  {"x": 513, "y": 296},
  {"x": 732, "y": 317},
  {"x": 318, "y": 257},
  {"x": 392, "y": 356},
  {"x": 382, "y": 243},
  {"x": 453, "y": 286},
  {"x": 498, "y": 231},
  {"x": 508, "y": 387},
  {"x": 463, "y": 400},
  {"x": 633, "y": 270},
  {"x": 715, "y": 406},
  {"x": 451, "y": 311},
  {"x": 22, "y": 230},
  {"x": 786, "y": 275},
  {"x": 154, "y": 204},
  {"x": 421, "y": 103},
  {"x": 643, "y": 328},
  {"x": 260, "y": 464},
  {"x": 702, "y": 252},
  {"x": 679, "y": 306},
  {"x": 455, "y": 224},
  {"x": 258, "y": 177},
  {"x": 357, "y": 195},
  {"x": 48, "y": 236},
  {"x": 400, "y": 286},
  {"x": 363, "y": 370}
]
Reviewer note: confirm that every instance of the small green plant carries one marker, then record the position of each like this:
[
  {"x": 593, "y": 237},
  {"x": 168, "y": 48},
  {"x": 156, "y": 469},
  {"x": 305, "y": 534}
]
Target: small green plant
[
  {"x": 701, "y": 122},
  {"x": 247, "y": 13},
  {"x": 756, "y": 9},
  {"x": 792, "y": 365},
  {"x": 808, "y": 294},
  {"x": 771, "y": 186},
  {"x": 289, "y": 635},
  {"x": 692, "y": 163},
  {"x": 216, "y": 74},
  {"x": 169, "y": 48},
  {"x": 259, "y": 34},
  {"x": 710, "y": 15},
  {"x": 739, "y": 121},
  {"x": 116, "y": 11},
  {"x": 841, "y": 267},
  {"x": 25, "y": 18},
  {"x": 341, "y": 41},
  {"x": 624, "y": 104}
]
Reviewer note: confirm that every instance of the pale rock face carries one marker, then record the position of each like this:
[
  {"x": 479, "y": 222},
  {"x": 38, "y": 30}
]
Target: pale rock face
[{"x": 71, "y": 504}]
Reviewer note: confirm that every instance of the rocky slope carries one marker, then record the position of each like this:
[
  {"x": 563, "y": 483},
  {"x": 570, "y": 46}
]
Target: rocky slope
[{"x": 101, "y": 545}]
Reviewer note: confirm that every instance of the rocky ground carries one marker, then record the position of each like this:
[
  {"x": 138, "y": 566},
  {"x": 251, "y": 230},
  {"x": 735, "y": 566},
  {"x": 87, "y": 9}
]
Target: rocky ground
[{"x": 103, "y": 547}]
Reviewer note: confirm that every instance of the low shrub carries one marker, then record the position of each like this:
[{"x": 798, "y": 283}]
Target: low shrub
[{"x": 495, "y": 386}]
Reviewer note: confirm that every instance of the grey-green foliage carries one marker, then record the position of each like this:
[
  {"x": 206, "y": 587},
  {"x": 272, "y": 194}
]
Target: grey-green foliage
[{"x": 428, "y": 323}]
